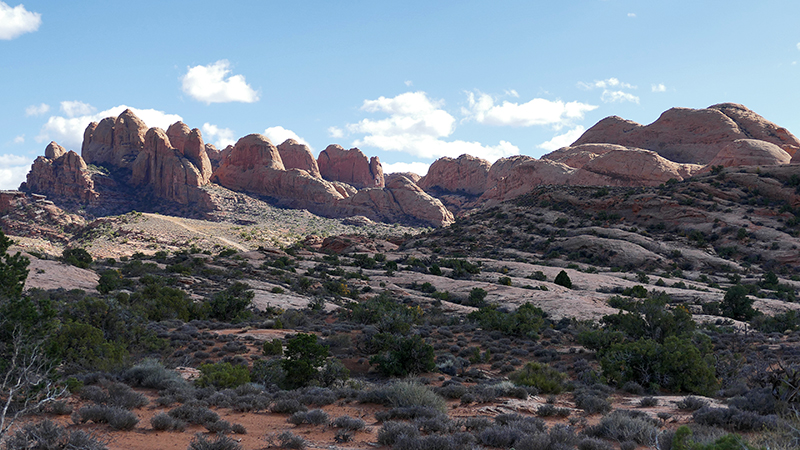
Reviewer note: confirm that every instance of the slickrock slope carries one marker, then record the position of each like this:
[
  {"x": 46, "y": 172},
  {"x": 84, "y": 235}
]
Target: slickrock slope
[
  {"x": 692, "y": 136},
  {"x": 467, "y": 175}
]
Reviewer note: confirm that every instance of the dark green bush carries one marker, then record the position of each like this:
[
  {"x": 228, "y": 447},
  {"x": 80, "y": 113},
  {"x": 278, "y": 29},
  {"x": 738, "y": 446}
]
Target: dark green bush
[
  {"x": 273, "y": 347},
  {"x": 400, "y": 355},
  {"x": 736, "y": 304},
  {"x": 232, "y": 303},
  {"x": 541, "y": 376},
  {"x": 77, "y": 257},
  {"x": 304, "y": 357},
  {"x": 562, "y": 279},
  {"x": 526, "y": 321}
]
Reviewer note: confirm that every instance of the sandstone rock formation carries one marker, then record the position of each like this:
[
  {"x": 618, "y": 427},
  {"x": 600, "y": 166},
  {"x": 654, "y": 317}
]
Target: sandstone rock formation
[
  {"x": 351, "y": 167},
  {"x": 397, "y": 201},
  {"x": 466, "y": 175},
  {"x": 114, "y": 141},
  {"x": 61, "y": 174},
  {"x": 687, "y": 135},
  {"x": 750, "y": 152},
  {"x": 298, "y": 156}
]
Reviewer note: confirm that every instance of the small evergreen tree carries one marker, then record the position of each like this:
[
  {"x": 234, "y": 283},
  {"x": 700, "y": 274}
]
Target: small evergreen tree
[{"x": 562, "y": 279}]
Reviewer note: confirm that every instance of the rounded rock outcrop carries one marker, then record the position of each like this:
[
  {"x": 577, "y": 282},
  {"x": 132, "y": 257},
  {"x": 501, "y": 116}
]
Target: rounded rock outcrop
[
  {"x": 350, "y": 166},
  {"x": 463, "y": 175}
]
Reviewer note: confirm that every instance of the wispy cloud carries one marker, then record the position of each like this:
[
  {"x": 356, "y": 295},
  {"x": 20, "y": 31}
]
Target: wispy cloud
[
  {"x": 220, "y": 137},
  {"x": 68, "y": 131},
  {"x": 77, "y": 108},
  {"x": 563, "y": 140},
  {"x": 539, "y": 111},
  {"x": 631, "y": 14},
  {"x": 418, "y": 125},
  {"x": 213, "y": 84},
  {"x": 37, "y": 110},
  {"x": 335, "y": 132},
  {"x": 658, "y": 88},
  {"x": 19, "y": 139},
  {"x": 16, "y": 21},
  {"x": 612, "y": 90}
]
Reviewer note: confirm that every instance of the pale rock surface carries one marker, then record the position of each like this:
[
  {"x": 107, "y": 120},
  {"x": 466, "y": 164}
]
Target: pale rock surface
[
  {"x": 54, "y": 151},
  {"x": 410, "y": 175},
  {"x": 757, "y": 127},
  {"x": 351, "y": 167},
  {"x": 632, "y": 167},
  {"x": 466, "y": 174},
  {"x": 298, "y": 156},
  {"x": 750, "y": 152}
]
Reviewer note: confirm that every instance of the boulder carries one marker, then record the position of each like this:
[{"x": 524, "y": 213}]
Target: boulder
[
  {"x": 410, "y": 175},
  {"x": 692, "y": 136},
  {"x": 750, "y": 152},
  {"x": 298, "y": 156},
  {"x": 54, "y": 151},
  {"x": 631, "y": 167},
  {"x": 351, "y": 167},
  {"x": 177, "y": 133},
  {"x": 464, "y": 175},
  {"x": 518, "y": 175}
]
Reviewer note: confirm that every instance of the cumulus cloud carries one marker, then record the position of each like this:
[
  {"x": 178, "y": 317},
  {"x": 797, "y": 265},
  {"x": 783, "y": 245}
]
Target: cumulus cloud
[
  {"x": 212, "y": 84},
  {"x": 419, "y": 168},
  {"x": 658, "y": 88},
  {"x": 19, "y": 139},
  {"x": 17, "y": 21},
  {"x": 68, "y": 131},
  {"x": 37, "y": 110},
  {"x": 279, "y": 134},
  {"x": 220, "y": 137},
  {"x": 13, "y": 170},
  {"x": 618, "y": 97},
  {"x": 335, "y": 132},
  {"x": 417, "y": 125},
  {"x": 563, "y": 140},
  {"x": 606, "y": 84},
  {"x": 77, "y": 108},
  {"x": 538, "y": 111}
]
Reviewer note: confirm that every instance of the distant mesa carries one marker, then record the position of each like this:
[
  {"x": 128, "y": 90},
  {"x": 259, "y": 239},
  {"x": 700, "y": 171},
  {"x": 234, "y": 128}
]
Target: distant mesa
[{"x": 125, "y": 165}]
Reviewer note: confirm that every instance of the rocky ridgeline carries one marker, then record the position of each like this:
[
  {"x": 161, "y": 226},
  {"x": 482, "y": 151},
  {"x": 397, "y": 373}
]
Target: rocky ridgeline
[
  {"x": 176, "y": 166},
  {"x": 122, "y": 158},
  {"x": 682, "y": 143}
]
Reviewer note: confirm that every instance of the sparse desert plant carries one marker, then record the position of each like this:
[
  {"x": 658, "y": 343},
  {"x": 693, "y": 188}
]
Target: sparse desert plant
[
  {"x": 313, "y": 417},
  {"x": 348, "y": 423},
  {"x": 198, "y": 415},
  {"x": 48, "y": 435},
  {"x": 622, "y": 426},
  {"x": 390, "y": 432},
  {"x": 220, "y": 442},
  {"x": 165, "y": 422}
]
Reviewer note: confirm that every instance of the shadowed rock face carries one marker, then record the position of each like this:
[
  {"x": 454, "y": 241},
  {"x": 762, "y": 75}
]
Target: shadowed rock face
[
  {"x": 692, "y": 136},
  {"x": 351, "y": 167}
]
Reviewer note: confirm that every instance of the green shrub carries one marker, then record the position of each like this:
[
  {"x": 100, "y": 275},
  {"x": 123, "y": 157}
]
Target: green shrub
[
  {"x": 401, "y": 355},
  {"x": 304, "y": 357},
  {"x": 273, "y": 347},
  {"x": 386, "y": 313},
  {"x": 736, "y": 304},
  {"x": 232, "y": 303},
  {"x": 223, "y": 375},
  {"x": 83, "y": 347},
  {"x": 541, "y": 376},
  {"x": 77, "y": 257},
  {"x": 505, "y": 281},
  {"x": 526, "y": 321},
  {"x": 562, "y": 279}
]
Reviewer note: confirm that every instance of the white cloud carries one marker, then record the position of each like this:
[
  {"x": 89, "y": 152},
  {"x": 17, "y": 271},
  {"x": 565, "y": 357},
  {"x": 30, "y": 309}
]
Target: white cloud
[
  {"x": 512, "y": 93},
  {"x": 335, "y": 132},
  {"x": 220, "y": 137},
  {"x": 17, "y": 21},
  {"x": 538, "y": 111},
  {"x": 419, "y": 168},
  {"x": 658, "y": 88},
  {"x": 77, "y": 108},
  {"x": 618, "y": 97},
  {"x": 13, "y": 170},
  {"x": 37, "y": 110},
  {"x": 563, "y": 140},
  {"x": 68, "y": 131},
  {"x": 416, "y": 125},
  {"x": 19, "y": 139},
  {"x": 631, "y": 14},
  {"x": 209, "y": 84},
  {"x": 798, "y": 45},
  {"x": 279, "y": 134},
  {"x": 409, "y": 82}
]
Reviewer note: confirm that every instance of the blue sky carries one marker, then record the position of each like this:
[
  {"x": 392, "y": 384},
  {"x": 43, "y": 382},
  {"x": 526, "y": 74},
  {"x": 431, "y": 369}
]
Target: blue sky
[{"x": 407, "y": 81}]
